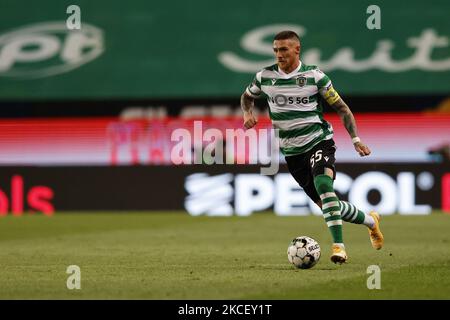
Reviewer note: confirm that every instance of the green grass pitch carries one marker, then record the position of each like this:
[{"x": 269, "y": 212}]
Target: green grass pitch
[{"x": 175, "y": 256}]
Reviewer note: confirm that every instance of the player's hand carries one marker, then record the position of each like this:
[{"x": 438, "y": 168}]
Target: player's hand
[
  {"x": 249, "y": 120},
  {"x": 362, "y": 149}
]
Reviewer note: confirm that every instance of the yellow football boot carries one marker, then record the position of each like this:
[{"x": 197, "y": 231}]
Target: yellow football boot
[
  {"x": 339, "y": 255},
  {"x": 376, "y": 237}
]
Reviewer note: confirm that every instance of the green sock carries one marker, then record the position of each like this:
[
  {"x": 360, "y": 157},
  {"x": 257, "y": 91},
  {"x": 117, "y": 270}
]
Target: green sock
[
  {"x": 330, "y": 206},
  {"x": 350, "y": 213}
]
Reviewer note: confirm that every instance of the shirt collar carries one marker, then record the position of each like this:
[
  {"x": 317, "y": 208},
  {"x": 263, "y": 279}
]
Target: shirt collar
[{"x": 294, "y": 71}]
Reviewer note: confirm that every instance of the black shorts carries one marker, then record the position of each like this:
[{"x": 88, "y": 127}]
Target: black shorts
[{"x": 304, "y": 167}]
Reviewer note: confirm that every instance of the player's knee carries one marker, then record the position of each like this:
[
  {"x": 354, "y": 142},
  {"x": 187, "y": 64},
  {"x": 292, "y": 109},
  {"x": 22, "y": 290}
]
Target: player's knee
[
  {"x": 323, "y": 183},
  {"x": 324, "y": 170}
]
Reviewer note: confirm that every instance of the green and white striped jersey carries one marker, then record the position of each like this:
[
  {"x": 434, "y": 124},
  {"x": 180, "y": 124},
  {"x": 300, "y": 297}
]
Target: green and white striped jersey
[{"x": 295, "y": 105}]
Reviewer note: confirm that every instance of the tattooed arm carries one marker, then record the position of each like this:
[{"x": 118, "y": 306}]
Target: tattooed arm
[
  {"x": 247, "y": 104},
  {"x": 349, "y": 122},
  {"x": 346, "y": 115}
]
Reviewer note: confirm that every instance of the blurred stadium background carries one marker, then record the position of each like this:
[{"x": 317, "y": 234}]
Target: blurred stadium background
[{"x": 86, "y": 116}]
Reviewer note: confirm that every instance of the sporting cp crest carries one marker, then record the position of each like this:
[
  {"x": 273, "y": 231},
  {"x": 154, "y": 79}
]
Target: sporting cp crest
[{"x": 301, "y": 81}]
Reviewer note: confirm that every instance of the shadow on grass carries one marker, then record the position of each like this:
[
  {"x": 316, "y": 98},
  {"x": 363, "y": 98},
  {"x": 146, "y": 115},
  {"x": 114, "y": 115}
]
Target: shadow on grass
[{"x": 287, "y": 267}]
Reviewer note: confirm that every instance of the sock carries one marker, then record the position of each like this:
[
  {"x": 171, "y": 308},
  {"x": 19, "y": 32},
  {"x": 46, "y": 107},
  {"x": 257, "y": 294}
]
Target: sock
[
  {"x": 369, "y": 221},
  {"x": 330, "y": 206},
  {"x": 352, "y": 214}
]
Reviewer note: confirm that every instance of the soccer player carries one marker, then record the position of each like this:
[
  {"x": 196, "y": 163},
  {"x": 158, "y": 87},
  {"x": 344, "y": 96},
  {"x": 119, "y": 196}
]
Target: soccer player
[{"x": 295, "y": 93}]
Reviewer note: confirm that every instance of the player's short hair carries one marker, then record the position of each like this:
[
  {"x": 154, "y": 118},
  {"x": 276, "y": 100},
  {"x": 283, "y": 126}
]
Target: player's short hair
[{"x": 285, "y": 35}]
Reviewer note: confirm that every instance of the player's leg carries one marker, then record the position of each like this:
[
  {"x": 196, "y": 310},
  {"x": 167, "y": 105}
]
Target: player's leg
[
  {"x": 321, "y": 159},
  {"x": 298, "y": 166},
  {"x": 331, "y": 212},
  {"x": 350, "y": 213}
]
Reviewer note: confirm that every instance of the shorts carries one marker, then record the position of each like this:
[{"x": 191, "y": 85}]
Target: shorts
[{"x": 304, "y": 167}]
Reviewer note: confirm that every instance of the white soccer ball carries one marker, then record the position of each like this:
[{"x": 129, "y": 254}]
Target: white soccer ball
[{"x": 303, "y": 252}]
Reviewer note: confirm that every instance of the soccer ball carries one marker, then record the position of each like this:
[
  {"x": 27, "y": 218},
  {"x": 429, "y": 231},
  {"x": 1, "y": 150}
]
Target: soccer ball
[{"x": 303, "y": 252}]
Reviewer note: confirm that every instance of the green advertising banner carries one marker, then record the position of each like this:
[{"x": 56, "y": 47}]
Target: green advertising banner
[{"x": 207, "y": 48}]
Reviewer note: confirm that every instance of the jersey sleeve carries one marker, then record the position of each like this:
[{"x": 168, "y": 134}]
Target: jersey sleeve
[
  {"x": 325, "y": 87},
  {"x": 254, "y": 88}
]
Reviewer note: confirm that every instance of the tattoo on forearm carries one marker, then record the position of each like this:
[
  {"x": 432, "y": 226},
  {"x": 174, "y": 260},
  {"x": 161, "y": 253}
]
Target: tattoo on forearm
[
  {"x": 350, "y": 124},
  {"x": 347, "y": 117},
  {"x": 246, "y": 103}
]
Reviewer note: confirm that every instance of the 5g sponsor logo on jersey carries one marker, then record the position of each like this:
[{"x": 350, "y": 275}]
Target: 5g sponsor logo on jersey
[
  {"x": 49, "y": 48},
  {"x": 282, "y": 100}
]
